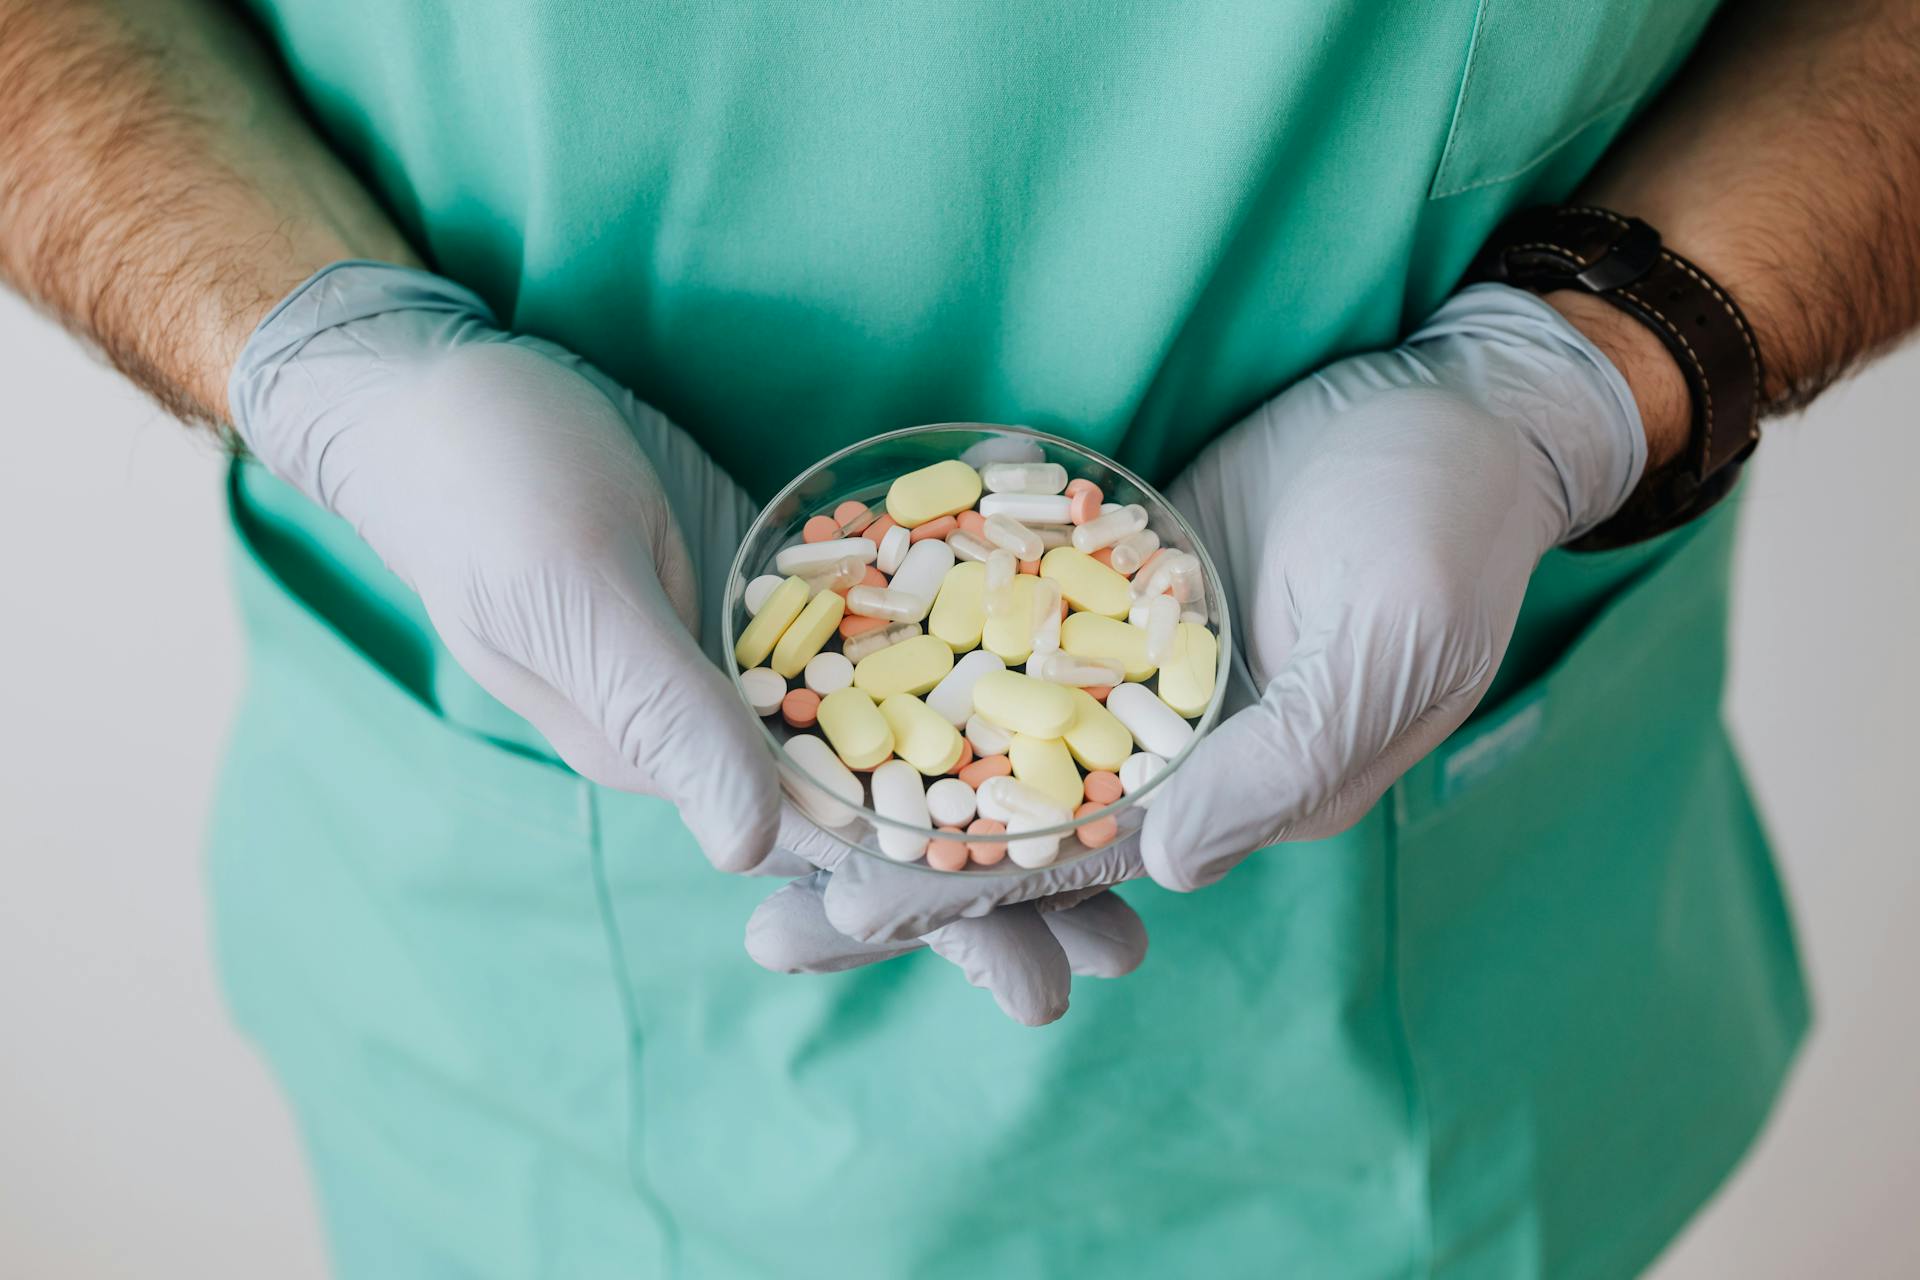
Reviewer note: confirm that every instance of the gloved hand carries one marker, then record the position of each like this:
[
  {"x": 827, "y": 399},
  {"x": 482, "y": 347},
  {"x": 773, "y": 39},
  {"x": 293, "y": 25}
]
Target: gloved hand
[
  {"x": 543, "y": 515},
  {"x": 1376, "y": 525}
]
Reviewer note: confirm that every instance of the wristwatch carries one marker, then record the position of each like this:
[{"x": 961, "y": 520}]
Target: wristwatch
[{"x": 1621, "y": 260}]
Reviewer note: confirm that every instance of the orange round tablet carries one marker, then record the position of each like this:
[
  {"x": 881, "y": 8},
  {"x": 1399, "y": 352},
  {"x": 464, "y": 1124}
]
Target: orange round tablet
[
  {"x": 1102, "y": 786},
  {"x": 986, "y": 852},
  {"x": 1085, "y": 505},
  {"x": 852, "y": 516},
  {"x": 947, "y": 855},
  {"x": 1098, "y": 832},
  {"x": 820, "y": 529},
  {"x": 800, "y": 708}
]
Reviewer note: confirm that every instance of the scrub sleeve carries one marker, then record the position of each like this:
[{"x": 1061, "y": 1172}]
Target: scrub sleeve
[{"x": 1519, "y": 1021}]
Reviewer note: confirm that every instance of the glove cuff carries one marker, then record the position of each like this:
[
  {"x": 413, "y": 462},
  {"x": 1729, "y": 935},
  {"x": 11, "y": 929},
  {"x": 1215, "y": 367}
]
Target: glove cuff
[{"x": 285, "y": 419}]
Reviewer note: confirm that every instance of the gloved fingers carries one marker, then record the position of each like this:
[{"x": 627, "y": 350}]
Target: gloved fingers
[
  {"x": 789, "y": 933},
  {"x": 879, "y": 902},
  {"x": 1012, "y": 954},
  {"x": 801, "y": 836},
  {"x": 782, "y": 865},
  {"x": 1102, "y": 936}
]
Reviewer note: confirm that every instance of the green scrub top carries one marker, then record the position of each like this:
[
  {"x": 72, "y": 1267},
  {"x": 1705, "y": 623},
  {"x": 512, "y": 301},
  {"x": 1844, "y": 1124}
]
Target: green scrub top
[{"x": 1519, "y": 1021}]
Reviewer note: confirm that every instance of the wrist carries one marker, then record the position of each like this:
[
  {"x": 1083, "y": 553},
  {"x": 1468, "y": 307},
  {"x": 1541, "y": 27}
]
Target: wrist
[{"x": 1659, "y": 389}]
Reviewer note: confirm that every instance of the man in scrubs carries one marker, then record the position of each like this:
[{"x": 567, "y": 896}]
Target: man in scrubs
[{"x": 518, "y": 308}]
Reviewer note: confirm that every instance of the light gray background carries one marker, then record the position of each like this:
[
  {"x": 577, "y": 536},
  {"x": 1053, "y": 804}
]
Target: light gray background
[{"x": 140, "y": 1136}]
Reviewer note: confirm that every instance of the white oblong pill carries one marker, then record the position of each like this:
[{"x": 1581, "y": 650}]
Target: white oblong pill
[
  {"x": 817, "y": 760},
  {"x": 758, "y": 590},
  {"x": 807, "y": 557},
  {"x": 986, "y": 737},
  {"x": 764, "y": 689},
  {"x": 921, "y": 572},
  {"x": 951, "y": 803},
  {"x": 953, "y": 696},
  {"x": 1029, "y": 508},
  {"x": 828, "y": 673},
  {"x": 898, "y": 793},
  {"x": 894, "y": 545},
  {"x": 1156, "y": 726}
]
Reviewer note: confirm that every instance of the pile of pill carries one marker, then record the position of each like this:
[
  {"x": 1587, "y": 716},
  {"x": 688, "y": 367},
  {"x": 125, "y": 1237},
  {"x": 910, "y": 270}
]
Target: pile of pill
[{"x": 906, "y": 629}]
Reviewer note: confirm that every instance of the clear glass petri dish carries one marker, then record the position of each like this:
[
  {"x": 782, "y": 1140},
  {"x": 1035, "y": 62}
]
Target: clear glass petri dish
[{"x": 864, "y": 472}]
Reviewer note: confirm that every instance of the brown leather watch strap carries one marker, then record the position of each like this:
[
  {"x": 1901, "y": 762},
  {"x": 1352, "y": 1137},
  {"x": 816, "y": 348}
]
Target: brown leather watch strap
[{"x": 1622, "y": 260}]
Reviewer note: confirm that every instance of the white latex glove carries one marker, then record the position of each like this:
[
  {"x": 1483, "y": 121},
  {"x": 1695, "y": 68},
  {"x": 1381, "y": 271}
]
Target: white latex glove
[
  {"x": 1376, "y": 525},
  {"x": 544, "y": 517}
]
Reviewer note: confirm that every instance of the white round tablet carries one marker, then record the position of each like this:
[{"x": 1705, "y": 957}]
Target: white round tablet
[
  {"x": 759, "y": 589},
  {"x": 764, "y": 687},
  {"x": 828, "y": 673},
  {"x": 951, "y": 802}
]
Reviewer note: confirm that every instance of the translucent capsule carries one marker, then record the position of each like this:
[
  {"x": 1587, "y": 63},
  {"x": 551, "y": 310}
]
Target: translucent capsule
[
  {"x": 1163, "y": 615},
  {"x": 1053, "y": 535},
  {"x": 1002, "y": 449},
  {"x": 1185, "y": 580},
  {"x": 806, "y": 558},
  {"x": 1024, "y": 477},
  {"x": 885, "y": 602},
  {"x": 1107, "y": 529},
  {"x": 967, "y": 546},
  {"x": 872, "y": 642},
  {"x": 1197, "y": 616},
  {"x": 1046, "y": 617},
  {"x": 1060, "y": 667},
  {"x": 836, "y": 575},
  {"x": 1156, "y": 576},
  {"x": 1001, "y": 598},
  {"x": 1006, "y": 532},
  {"x": 1130, "y": 552}
]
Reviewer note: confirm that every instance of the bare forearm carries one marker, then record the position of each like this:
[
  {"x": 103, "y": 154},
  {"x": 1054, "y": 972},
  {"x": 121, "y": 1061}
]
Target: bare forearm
[
  {"x": 1785, "y": 160},
  {"x": 158, "y": 190}
]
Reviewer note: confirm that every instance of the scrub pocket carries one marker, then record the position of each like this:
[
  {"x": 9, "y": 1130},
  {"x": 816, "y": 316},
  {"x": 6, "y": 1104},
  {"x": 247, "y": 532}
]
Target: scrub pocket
[
  {"x": 1598, "y": 974},
  {"x": 1548, "y": 82}
]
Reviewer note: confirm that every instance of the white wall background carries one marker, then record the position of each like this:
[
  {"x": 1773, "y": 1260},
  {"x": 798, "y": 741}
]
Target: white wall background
[{"x": 139, "y": 1136}]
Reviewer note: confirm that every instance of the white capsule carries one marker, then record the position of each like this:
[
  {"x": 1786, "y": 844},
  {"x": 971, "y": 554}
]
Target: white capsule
[
  {"x": 828, "y": 673},
  {"x": 1002, "y": 449},
  {"x": 951, "y": 803},
  {"x": 1032, "y": 852},
  {"x": 899, "y": 794},
  {"x": 1197, "y": 616},
  {"x": 838, "y": 576},
  {"x": 1163, "y": 616},
  {"x": 921, "y": 572},
  {"x": 1029, "y": 508},
  {"x": 1156, "y": 726},
  {"x": 1057, "y": 667},
  {"x": 764, "y": 688},
  {"x": 1024, "y": 477},
  {"x": 966, "y": 546},
  {"x": 871, "y": 642},
  {"x": 1155, "y": 578},
  {"x": 1138, "y": 770},
  {"x": 1185, "y": 580},
  {"x": 1054, "y": 535},
  {"x": 953, "y": 696},
  {"x": 1005, "y": 531},
  {"x": 817, "y": 760},
  {"x": 1105, "y": 530},
  {"x": 1009, "y": 800},
  {"x": 987, "y": 738},
  {"x": 804, "y": 558},
  {"x": 885, "y": 602},
  {"x": 1000, "y": 593},
  {"x": 1130, "y": 552},
  {"x": 894, "y": 546},
  {"x": 758, "y": 590},
  {"x": 1046, "y": 617}
]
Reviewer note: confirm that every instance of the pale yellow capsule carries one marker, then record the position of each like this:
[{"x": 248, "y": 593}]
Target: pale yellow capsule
[
  {"x": 960, "y": 610},
  {"x": 855, "y": 729},
  {"x": 1093, "y": 635},
  {"x": 912, "y": 666},
  {"x": 1096, "y": 737},
  {"x": 1045, "y": 765},
  {"x": 760, "y": 635},
  {"x": 1086, "y": 583},
  {"x": 1023, "y": 704},
  {"x": 808, "y": 634},
  {"x": 943, "y": 489},
  {"x": 922, "y": 736},
  {"x": 1009, "y": 635},
  {"x": 1186, "y": 681}
]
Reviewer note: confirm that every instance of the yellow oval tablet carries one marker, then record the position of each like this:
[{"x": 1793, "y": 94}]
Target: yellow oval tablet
[
  {"x": 1093, "y": 635},
  {"x": 922, "y": 736},
  {"x": 855, "y": 729},
  {"x": 912, "y": 666},
  {"x": 760, "y": 635},
  {"x": 943, "y": 489},
  {"x": 1010, "y": 636},
  {"x": 1045, "y": 765},
  {"x": 1086, "y": 583},
  {"x": 808, "y": 634},
  {"x": 1186, "y": 681},
  {"x": 1019, "y": 702},
  {"x": 960, "y": 610},
  {"x": 1096, "y": 737}
]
